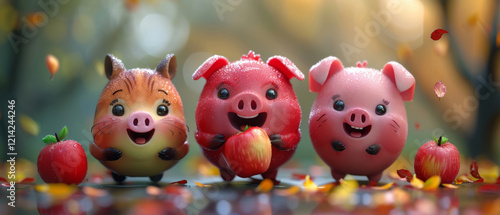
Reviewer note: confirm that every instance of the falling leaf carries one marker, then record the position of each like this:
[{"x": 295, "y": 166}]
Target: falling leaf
[
  {"x": 432, "y": 183},
  {"x": 153, "y": 190},
  {"x": 179, "y": 182},
  {"x": 417, "y": 183},
  {"x": 450, "y": 186},
  {"x": 29, "y": 125},
  {"x": 265, "y": 186},
  {"x": 436, "y": 34},
  {"x": 288, "y": 192},
  {"x": 383, "y": 187},
  {"x": 404, "y": 173},
  {"x": 94, "y": 192},
  {"x": 474, "y": 170},
  {"x": 440, "y": 89},
  {"x": 52, "y": 64}
]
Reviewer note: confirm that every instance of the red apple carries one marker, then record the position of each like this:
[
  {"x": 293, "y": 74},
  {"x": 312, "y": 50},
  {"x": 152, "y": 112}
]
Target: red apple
[
  {"x": 62, "y": 161},
  {"x": 249, "y": 153},
  {"x": 437, "y": 157}
]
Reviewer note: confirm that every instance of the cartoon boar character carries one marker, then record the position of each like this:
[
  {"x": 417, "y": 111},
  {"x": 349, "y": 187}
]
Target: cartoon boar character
[
  {"x": 139, "y": 127},
  {"x": 248, "y": 92},
  {"x": 358, "y": 122}
]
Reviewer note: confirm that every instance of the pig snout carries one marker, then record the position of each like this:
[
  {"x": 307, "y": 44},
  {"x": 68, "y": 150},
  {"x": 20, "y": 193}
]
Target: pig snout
[
  {"x": 141, "y": 122},
  {"x": 358, "y": 118},
  {"x": 247, "y": 104}
]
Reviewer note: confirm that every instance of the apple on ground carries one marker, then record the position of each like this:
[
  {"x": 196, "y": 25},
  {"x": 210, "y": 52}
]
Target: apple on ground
[
  {"x": 437, "y": 157},
  {"x": 249, "y": 152},
  {"x": 62, "y": 161}
]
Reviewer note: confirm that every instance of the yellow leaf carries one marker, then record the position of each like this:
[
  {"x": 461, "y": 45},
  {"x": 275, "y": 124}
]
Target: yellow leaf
[
  {"x": 384, "y": 187},
  {"x": 416, "y": 182},
  {"x": 29, "y": 125},
  {"x": 265, "y": 185},
  {"x": 57, "y": 190},
  {"x": 309, "y": 185},
  {"x": 326, "y": 188},
  {"x": 450, "y": 186},
  {"x": 432, "y": 183},
  {"x": 349, "y": 183},
  {"x": 463, "y": 178},
  {"x": 199, "y": 184}
]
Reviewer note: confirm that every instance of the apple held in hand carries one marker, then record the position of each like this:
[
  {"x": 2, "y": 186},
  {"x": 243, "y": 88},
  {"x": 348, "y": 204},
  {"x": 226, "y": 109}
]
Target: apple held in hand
[
  {"x": 62, "y": 161},
  {"x": 437, "y": 157},
  {"x": 249, "y": 152}
]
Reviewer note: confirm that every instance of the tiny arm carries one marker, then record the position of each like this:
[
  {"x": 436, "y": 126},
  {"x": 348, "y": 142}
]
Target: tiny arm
[
  {"x": 209, "y": 141},
  {"x": 107, "y": 154},
  {"x": 285, "y": 142}
]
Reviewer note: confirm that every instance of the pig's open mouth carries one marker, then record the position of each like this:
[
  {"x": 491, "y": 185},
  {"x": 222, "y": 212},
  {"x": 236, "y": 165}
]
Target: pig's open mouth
[
  {"x": 355, "y": 131},
  {"x": 239, "y": 122},
  {"x": 140, "y": 138}
]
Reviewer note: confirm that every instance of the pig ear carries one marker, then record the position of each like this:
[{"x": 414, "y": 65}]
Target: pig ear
[
  {"x": 285, "y": 66},
  {"x": 403, "y": 79},
  {"x": 168, "y": 66},
  {"x": 320, "y": 72},
  {"x": 112, "y": 66},
  {"x": 211, "y": 65}
]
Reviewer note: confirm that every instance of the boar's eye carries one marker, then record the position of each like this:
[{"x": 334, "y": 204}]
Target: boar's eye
[
  {"x": 338, "y": 105},
  {"x": 380, "y": 109},
  {"x": 118, "y": 110},
  {"x": 223, "y": 93},
  {"x": 162, "y": 110},
  {"x": 271, "y": 94}
]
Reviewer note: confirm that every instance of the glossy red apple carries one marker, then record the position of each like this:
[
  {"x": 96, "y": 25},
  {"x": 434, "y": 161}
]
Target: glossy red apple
[
  {"x": 62, "y": 161},
  {"x": 437, "y": 157},
  {"x": 249, "y": 153}
]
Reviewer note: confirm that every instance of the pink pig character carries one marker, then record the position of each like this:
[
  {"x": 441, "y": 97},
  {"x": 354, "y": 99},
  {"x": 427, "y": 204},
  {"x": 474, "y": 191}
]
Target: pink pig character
[
  {"x": 248, "y": 92},
  {"x": 358, "y": 122}
]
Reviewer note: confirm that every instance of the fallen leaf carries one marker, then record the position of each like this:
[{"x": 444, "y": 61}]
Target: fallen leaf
[
  {"x": 436, "y": 34},
  {"x": 29, "y": 125},
  {"x": 309, "y": 185},
  {"x": 199, "y": 184},
  {"x": 440, "y": 89},
  {"x": 383, "y": 187},
  {"x": 404, "y": 173},
  {"x": 327, "y": 187},
  {"x": 349, "y": 183},
  {"x": 52, "y": 64},
  {"x": 481, "y": 180},
  {"x": 59, "y": 191},
  {"x": 432, "y": 183},
  {"x": 179, "y": 182},
  {"x": 288, "y": 192},
  {"x": 450, "y": 186},
  {"x": 153, "y": 190},
  {"x": 474, "y": 170},
  {"x": 417, "y": 183},
  {"x": 463, "y": 178},
  {"x": 265, "y": 186}
]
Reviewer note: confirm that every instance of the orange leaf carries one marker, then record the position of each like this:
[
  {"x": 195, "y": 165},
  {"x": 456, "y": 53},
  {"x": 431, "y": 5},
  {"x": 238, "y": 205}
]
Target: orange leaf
[
  {"x": 417, "y": 183},
  {"x": 288, "y": 192},
  {"x": 265, "y": 186},
  {"x": 199, "y": 184},
  {"x": 432, "y": 183},
  {"x": 463, "y": 178},
  {"x": 450, "y": 186},
  {"x": 52, "y": 64},
  {"x": 404, "y": 173},
  {"x": 383, "y": 187}
]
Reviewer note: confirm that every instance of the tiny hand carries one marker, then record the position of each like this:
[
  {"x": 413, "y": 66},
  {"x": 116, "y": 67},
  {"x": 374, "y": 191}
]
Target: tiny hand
[
  {"x": 112, "y": 154},
  {"x": 168, "y": 154}
]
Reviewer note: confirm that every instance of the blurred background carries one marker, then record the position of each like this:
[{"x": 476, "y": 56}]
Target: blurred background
[{"x": 142, "y": 32}]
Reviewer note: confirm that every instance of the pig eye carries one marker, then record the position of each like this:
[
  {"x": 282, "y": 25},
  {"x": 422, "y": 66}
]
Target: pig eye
[
  {"x": 162, "y": 110},
  {"x": 380, "y": 110},
  {"x": 118, "y": 110},
  {"x": 338, "y": 105},
  {"x": 271, "y": 94},
  {"x": 223, "y": 93}
]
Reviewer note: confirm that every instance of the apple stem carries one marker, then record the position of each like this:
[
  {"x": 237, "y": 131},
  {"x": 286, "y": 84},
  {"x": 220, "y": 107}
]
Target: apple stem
[
  {"x": 439, "y": 141},
  {"x": 57, "y": 137}
]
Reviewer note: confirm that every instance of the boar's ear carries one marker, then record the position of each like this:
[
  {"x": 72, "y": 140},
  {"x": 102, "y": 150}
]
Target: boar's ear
[
  {"x": 168, "y": 66},
  {"x": 403, "y": 79},
  {"x": 320, "y": 72},
  {"x": 211, "y": 65},
  {"x": 286, "y": 67},
  {"x": 112, "y": 66}
]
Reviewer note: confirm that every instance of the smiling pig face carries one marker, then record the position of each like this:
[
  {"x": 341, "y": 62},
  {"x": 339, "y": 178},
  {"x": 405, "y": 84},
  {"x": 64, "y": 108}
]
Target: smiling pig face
[
  {"x": 248, "y": 92},
  {"x": 358, "y": 122}
]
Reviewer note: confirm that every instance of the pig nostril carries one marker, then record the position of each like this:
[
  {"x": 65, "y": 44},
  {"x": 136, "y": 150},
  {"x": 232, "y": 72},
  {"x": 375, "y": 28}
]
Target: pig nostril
[
  {"x": 146, "y": 122},
  {"x": 363, "y": 118},
  {"x": 253, "y": 105},
  {"x": 353, "y": 117},
  {"x": 241, "y": 105},
  {"x": 136, "y": 121}
]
